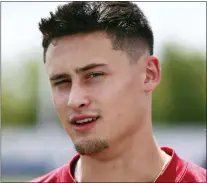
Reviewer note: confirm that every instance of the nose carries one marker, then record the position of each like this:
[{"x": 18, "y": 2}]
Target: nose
[{"x": 77, "y": 98}]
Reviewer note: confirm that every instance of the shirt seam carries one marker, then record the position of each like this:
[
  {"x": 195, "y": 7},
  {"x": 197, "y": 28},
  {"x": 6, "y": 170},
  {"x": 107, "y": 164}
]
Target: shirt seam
[{"x": 183, "y": 174}]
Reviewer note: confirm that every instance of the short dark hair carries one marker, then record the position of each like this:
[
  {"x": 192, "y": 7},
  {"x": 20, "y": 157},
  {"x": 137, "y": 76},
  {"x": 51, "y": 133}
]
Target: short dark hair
[{"x": 124, "y": 23}]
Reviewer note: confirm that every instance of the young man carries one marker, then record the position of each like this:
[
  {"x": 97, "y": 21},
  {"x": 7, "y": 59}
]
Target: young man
[{"x": 99, "y": 59}]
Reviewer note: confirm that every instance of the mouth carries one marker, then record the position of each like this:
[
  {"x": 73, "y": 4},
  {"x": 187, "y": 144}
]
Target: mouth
[
  {"x": 85, "y": 121},
  {"x": 85, "y": 124}
]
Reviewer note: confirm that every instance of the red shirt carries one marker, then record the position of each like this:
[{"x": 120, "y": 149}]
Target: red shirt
[{"x": 177, "y": 170}]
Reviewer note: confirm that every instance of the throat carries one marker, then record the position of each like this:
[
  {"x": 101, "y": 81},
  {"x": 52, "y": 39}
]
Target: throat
[{"x": 106, "y": 176}]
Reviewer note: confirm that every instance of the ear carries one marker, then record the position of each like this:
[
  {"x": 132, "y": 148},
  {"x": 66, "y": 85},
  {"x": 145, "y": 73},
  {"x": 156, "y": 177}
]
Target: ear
[{"x": 152, "y": 77}]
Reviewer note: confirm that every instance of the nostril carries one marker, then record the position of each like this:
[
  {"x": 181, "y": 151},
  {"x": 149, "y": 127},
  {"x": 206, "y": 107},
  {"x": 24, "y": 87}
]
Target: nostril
[{"x": 82, "y": 105}]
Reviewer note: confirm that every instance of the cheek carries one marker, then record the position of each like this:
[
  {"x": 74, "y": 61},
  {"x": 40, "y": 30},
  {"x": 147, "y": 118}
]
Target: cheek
[
  {"x": 60, "y": 101},
  {"x": 123, "y": 100},
  {"x": 122, "y": 94}
]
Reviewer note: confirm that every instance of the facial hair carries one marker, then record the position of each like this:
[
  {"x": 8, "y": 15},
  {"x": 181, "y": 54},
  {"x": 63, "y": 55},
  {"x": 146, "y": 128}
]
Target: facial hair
[{"x": 90, "y": 146}]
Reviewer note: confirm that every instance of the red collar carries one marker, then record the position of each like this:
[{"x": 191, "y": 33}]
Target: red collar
[{"x": 175, "y": 169}]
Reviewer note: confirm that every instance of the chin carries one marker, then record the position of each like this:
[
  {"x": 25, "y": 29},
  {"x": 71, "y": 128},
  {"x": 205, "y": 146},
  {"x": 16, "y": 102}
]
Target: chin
[{"x": 90, "y": 146}]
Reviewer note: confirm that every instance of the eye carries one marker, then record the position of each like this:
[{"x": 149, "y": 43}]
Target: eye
[
  {"x": 94, "y": 74},
  {"x": 62, "y": 82}
]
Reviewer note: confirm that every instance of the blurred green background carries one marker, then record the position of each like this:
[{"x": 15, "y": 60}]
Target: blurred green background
[{"x": 33, "y": 141}]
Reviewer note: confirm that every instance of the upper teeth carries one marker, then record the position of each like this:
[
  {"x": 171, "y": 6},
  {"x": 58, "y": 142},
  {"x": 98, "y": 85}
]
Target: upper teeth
[{"x": 85, "y": 120}]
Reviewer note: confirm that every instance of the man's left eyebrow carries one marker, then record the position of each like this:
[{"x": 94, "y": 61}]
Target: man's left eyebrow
[{"x": 88, "y": 67}]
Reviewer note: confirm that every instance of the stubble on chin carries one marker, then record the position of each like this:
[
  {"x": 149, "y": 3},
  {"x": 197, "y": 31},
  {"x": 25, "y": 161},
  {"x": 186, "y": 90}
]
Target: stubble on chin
[{"x": 90, "y": 146}]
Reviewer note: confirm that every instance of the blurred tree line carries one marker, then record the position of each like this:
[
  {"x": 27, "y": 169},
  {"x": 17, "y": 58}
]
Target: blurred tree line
[
  {"x": 180, "y": 98},
  {"x": 20, "y": 94}
]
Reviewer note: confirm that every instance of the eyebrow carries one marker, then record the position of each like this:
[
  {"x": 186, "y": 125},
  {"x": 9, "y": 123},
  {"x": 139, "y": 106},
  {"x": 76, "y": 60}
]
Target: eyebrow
[
  {"x": 58, "y": 76},
  {"x": 88, "y": 67},
  {"x": 78, "y": 70}
]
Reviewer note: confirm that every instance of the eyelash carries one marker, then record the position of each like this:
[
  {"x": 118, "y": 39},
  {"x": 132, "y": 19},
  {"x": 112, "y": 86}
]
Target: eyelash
[
  {"x": 61, "y": 82},
  {"x": 88, "y": 76},
  {"x": 94, "y": 73}
]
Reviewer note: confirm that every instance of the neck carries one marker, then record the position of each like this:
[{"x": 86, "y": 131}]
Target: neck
[{"x": 138, "y": 159}]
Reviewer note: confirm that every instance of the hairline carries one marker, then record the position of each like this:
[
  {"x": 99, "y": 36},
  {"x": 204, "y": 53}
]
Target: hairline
[{"x": 110, "y": 36}]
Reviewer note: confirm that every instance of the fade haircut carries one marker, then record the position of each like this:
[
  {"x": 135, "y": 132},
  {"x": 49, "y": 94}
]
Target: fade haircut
[{"x": 123, "y": 22}]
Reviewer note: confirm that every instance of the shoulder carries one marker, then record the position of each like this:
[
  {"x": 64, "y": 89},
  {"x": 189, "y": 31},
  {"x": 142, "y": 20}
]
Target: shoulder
[
  {"x": 61, "y": 174},
  {"x": 180, "y": 170},
  {"x": 194, "y": 173},
  {"x": 58, "y": 175}
]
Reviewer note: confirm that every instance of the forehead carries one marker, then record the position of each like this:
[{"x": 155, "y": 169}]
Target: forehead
[{"x": 70, "y": 52}]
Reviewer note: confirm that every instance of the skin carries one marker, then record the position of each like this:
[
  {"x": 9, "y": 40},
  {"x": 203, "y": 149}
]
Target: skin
[{"x": 119, "y": 91}]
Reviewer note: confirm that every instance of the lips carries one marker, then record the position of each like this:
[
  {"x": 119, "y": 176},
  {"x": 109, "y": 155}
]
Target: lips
[
  {"x": 83, "y": 119},
  {"x": 84, "y": 123}
]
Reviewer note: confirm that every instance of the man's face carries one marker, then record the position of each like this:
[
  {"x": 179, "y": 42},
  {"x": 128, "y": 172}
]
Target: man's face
[{"x": 91, "y": 81}]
